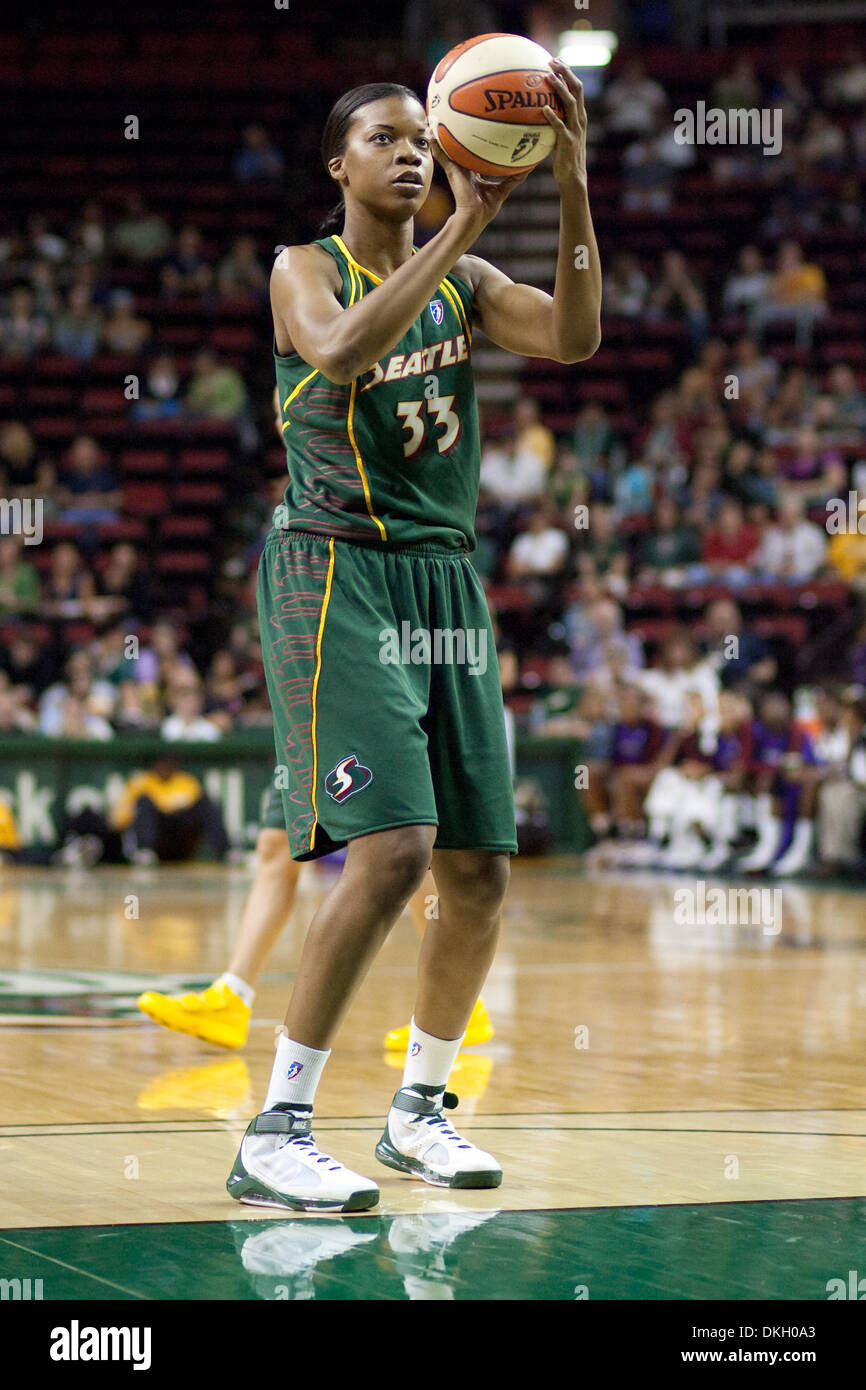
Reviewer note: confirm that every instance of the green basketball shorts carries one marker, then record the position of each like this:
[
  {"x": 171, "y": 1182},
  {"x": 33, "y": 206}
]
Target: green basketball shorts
[{"x": 384, "y": 685}]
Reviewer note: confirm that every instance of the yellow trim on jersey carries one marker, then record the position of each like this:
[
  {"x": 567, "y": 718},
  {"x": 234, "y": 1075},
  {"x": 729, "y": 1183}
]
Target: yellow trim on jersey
[
  {"x": 319, "y": 635},
  {"x": 353, "y": 263},
  {"x": 457, "y": 305},
  {"x": 352, "y": 440},
  {"x": 354, "y": 269},
  {"x": 300, "y": 386}
]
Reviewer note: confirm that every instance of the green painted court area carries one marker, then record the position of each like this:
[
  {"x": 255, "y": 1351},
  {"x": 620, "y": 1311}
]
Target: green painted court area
[{"x": 809, "y": 1250}]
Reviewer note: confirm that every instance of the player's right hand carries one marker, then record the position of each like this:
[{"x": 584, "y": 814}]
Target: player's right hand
[{"x": 477, "y": 200}]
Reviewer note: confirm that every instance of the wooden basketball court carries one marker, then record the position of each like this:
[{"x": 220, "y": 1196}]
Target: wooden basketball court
[{"x": 679, "y": 1110}]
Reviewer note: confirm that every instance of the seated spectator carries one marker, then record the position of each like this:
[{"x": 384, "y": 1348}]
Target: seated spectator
[
  {"x": 185, "y": 270},
  {"x": 23, "y": 331},
  {"x": 78, "y": 329},
  {"x": 602, "y": 552},
  {"x": 19, "y": 579},
  {"x": 123, "y": 331},
  {"x": 259, "y": 160},
  {"x": 541, "y": 551},
  {"x": 647, "y": 178},
  {"x": 68, "y": 586},
  {"x": 43, "y": 242},
  {"x": 240, "y": 274},
  {"x": 666, "y": 440},
  {"x": 730, "y": 545},
  {"x": 680, "y": 672},
  {"x": 849, "y": 401},
  {"x": 596, "y": 630},
  {"x": 754, "y": 371},
  {"x": 90, "y": 234},
  {"x": 669, "y": 548},
  {"x": 813, "y": 472},
  {"x": 140, "y": 236},
  {"x": 829, "y": 731},
  {"x": 797, "y": 294},
  {"x": 846, "y": 558},
  {"x": 742, "y": 478},
  {"x": 226, "y": 687},
  {"x": 633, "y": 101},
  {"x": 792, "y": 404},
  {"x": 737, "y": 88},
  {"x": 792, "y": 548},
  {"x": 679, "y": 296},
  {"x": 511, "y": 477},
  {"x": 842, "y": 801},
  {"x": 161, "y": 399},
  {"x": 748, "y": 285},
  {"x": 704, "y": 496},
  {"x": 80, "y": 705},
  {"x": 186, "y": 721},
  {"x": 637, "y": 744},
  {"x": 164, "y": 816},
  {"x": 17, "y": 457},
  {"x": 215, "y": 392},
  {"x": 597, "y": 445},
  {"x": 27, "y": 666},
  {"x": 15, "y": 718},
  {"x": 739, "y": 657},
  {"x": 43, "y": 286},
  {"x": 625, "y": 288},
  {"x": 123, "y": 586},
  {"x": 633, "y": 490},
  {"x": 784, "y": 781},
  {"x": 530, "y": 434},
  {"x": 846, "y": 86},
  {"x": 87, "y": 490},
  {"x": 162, "y": 660},
  {"x": 822, "y": 143}
]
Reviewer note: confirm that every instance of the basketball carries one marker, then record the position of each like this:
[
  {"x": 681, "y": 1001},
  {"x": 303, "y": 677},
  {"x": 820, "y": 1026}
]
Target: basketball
[{"x": 486, "y": 101}]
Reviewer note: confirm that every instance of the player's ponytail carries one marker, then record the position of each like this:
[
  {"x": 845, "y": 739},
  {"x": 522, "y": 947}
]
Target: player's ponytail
[{"x": 337, "y": 127}]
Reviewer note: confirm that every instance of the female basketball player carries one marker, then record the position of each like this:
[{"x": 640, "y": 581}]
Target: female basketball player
[{"x": 375, "y": 632}]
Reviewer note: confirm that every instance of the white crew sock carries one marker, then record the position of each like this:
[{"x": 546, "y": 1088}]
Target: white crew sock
[
  {"x": 429, "y": 1060},
  {"x": 296, "y": 1073},
  {"x": 240, "y": 987}
]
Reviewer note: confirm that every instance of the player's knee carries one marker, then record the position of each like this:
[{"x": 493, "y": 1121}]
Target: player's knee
[
  {"x": 478, "y": 883},
  {"x": 397, "y": 868},
  {"x": 272, "y": 848}
]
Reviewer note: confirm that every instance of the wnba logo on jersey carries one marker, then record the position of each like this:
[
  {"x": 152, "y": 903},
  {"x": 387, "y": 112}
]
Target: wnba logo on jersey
[
  {"x": 295, "y": 1069},
  {"x": 415, "y": 1049},
  {"x": 348, "y": 777},
  {"x": 437, "y": 311}
]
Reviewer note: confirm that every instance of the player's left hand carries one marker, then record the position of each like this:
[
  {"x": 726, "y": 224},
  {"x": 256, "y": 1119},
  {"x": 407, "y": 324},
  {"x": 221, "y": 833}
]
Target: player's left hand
[{"x": 569, "y": 155}]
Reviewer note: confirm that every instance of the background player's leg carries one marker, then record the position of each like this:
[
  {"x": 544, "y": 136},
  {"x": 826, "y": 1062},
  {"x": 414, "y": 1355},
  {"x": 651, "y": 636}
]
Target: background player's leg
[
  {"x": 221, "y": 1013},
  {"x": 268, "y": 906}
]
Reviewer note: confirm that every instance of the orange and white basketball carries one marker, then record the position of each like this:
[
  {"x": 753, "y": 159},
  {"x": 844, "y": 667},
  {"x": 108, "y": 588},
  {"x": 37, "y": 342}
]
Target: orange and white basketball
[{"x": 485, "y": 104}]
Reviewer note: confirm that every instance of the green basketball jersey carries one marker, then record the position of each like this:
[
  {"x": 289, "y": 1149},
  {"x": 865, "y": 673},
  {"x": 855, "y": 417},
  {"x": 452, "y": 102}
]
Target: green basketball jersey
[{"x": 393, "y": 458}]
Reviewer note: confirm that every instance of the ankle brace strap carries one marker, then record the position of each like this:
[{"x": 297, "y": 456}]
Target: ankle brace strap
[
  {"x": 281, "y": 1122},
  {"x": 423, "y": 1105}
]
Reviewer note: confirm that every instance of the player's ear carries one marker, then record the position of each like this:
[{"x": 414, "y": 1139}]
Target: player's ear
[{"x": 335, "y": 168}]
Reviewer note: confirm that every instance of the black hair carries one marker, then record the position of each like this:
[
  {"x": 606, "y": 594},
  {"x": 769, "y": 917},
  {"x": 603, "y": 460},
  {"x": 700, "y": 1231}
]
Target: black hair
[{"x": 337, "y": 127}]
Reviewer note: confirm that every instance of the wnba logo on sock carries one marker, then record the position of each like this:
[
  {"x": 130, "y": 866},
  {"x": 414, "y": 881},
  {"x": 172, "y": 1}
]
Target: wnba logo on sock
[
  {"x": 295, "y": 1069},
  {"x": 414, "y": 1049}
]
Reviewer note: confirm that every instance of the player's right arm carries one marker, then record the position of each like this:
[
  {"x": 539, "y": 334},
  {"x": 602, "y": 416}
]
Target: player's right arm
[{"x": 345, "y": 343}]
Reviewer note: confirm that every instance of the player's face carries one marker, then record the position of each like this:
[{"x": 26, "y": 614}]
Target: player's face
[{"x": 387, "y": 160}]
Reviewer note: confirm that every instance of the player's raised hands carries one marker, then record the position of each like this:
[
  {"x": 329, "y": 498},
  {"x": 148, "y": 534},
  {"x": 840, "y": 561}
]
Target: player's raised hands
[{"x": 569, "y": 155}]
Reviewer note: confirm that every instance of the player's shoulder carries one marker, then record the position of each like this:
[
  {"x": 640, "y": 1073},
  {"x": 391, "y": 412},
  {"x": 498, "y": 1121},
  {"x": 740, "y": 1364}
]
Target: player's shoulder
[
  {"x": 305, "y": 259},
  {"x": 471, "y": 270}
]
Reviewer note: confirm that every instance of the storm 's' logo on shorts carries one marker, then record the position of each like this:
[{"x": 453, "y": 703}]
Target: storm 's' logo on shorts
[{"x": 348, "y": 777}]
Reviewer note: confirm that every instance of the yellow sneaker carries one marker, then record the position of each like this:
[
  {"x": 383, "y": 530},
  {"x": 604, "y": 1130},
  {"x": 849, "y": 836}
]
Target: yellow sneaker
[
  {"x": 216, "y": 1015},
  {"x": 479, "y": 1029}
]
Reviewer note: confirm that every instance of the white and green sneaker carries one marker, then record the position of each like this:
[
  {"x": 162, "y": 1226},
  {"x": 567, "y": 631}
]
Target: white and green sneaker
[
  {"x": 418, "y": 1140},
  {"x": 278, "y": 1165}
]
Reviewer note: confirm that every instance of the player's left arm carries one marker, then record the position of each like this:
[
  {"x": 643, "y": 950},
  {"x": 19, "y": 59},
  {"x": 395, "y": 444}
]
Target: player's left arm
[{"x": 564, "y": 326}]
